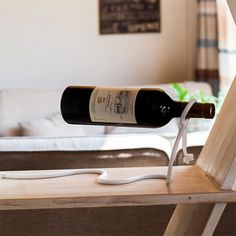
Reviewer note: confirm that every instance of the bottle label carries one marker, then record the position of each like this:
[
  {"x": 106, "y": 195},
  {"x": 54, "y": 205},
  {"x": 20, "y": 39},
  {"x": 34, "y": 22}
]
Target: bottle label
[{"x": 113, "y": 105}]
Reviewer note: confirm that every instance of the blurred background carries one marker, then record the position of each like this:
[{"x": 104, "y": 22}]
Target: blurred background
[{"x": 50, "y": 44}]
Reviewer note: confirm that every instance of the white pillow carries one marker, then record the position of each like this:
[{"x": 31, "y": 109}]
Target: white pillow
[{"x": 51, "y": 126}]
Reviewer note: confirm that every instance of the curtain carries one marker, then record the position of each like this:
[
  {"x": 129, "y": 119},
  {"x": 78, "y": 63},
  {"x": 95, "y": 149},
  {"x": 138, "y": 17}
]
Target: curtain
[
  {"x": 227, "y": 44},
  {"x": 207, "y": 68}
]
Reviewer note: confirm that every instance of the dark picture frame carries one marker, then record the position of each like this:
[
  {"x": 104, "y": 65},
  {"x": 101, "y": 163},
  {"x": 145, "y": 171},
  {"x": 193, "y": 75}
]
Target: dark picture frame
[{"x": 129, "y": 16}]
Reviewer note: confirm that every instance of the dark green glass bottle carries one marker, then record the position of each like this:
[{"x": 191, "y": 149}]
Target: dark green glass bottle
[{"x": 143, "y": 107}]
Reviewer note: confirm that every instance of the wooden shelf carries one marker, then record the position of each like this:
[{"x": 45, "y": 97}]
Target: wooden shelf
[{"x": 190, "y": 185}]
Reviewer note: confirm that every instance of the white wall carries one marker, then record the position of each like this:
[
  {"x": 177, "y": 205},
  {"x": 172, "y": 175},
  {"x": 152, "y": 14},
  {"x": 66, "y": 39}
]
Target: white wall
[{"x": 54, "y": 43}]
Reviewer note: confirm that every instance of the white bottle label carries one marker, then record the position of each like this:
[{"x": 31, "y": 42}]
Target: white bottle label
[{"x": 113, "y": 105}]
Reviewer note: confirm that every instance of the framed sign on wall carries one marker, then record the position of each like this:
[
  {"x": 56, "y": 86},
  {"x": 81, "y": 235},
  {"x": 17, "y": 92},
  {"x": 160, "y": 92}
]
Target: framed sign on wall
[{"x": 129, "y": 16}]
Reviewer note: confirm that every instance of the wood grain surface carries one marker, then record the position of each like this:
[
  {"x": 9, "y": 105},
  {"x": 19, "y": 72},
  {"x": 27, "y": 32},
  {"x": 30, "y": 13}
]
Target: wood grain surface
[{"x": 190, "y": 185}]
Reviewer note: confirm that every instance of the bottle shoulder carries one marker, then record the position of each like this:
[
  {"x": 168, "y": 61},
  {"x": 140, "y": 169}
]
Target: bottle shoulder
[{"x": 153, "y": 107}]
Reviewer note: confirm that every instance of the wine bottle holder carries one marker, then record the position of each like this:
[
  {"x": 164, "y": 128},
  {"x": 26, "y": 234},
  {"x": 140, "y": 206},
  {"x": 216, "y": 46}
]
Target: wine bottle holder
[{"x": 103, "y": 174}]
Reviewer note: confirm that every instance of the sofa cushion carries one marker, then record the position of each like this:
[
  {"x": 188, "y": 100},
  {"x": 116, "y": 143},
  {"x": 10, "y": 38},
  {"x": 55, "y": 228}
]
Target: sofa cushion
[
  {"x": 50, "y": 126},
  {"x": 55, "y": 126},
  {"x": 86, "y": 143},
  {"x": 19, "y": 105}
]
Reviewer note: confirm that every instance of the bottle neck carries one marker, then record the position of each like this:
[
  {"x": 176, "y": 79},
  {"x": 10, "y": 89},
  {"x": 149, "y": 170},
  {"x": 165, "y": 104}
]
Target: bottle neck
[{"x": 198, "y": 110}]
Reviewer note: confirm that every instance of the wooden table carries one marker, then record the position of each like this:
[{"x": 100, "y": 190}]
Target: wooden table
[{"x": 190, "y": 185}]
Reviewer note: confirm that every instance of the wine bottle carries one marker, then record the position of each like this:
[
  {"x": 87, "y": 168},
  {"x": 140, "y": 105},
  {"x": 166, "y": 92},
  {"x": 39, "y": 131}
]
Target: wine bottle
[{"x": 139, "y": 107}]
